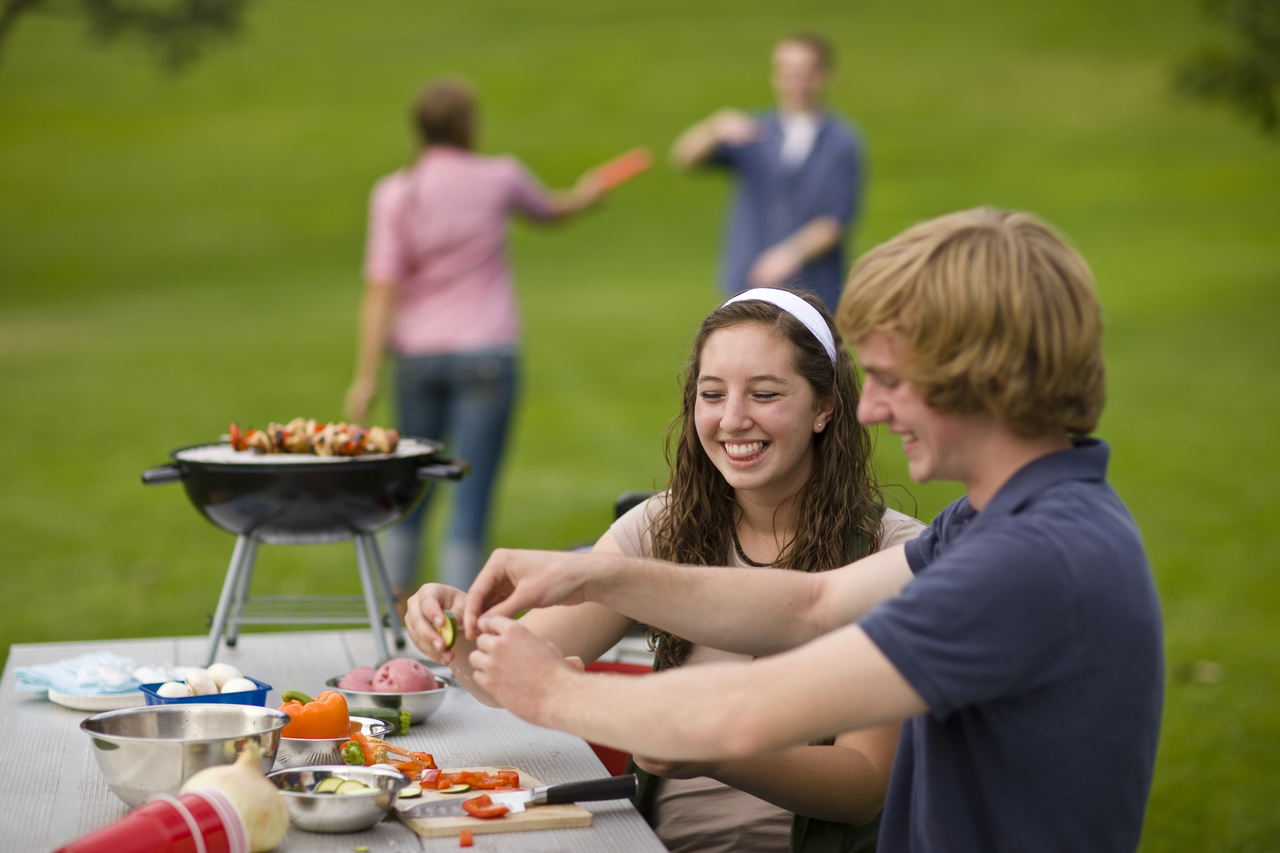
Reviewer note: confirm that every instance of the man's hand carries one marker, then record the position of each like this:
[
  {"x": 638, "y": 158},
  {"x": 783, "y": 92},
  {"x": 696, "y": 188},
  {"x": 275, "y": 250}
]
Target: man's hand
[
  {"x": 425, "y": 617},
  {"x": 676, "y": 769},
  {"x": 724, "y": 127},
  {"x": 513, "y": 581},
  {"x": 775, "y": 265},
  {"x": 518, "y": 669},
  {"x": 734, "y": 127}
]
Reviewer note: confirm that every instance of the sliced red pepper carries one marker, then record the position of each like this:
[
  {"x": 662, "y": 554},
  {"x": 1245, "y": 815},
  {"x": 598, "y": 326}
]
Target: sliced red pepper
[
  {"x": 429, "y": 778},
  {"x": 464, "y": 838},
  {"x": 483, "y": 807},
  {"x": 492, "y": 781},
  {"x": 370, "y": 756},
  {"x": 427, "y": 759},
  {"x": 237, "y": 437}
]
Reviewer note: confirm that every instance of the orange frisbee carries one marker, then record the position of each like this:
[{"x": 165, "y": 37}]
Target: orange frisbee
[{"x": 625, "y": 167}]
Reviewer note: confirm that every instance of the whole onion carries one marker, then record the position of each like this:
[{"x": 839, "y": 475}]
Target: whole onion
[{"x": 259, "y": 802}]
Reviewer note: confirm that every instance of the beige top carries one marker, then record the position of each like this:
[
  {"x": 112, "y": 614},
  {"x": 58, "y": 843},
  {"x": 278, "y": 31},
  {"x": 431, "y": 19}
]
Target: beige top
[{"x": 702, "y": 814}]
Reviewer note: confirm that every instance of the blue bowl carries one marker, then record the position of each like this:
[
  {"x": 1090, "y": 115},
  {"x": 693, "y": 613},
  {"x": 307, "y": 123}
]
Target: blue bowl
[{"x": 241, "y": 697}]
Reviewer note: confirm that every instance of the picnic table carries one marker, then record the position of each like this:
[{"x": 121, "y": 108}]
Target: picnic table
[{"x": 53, "y": 791}]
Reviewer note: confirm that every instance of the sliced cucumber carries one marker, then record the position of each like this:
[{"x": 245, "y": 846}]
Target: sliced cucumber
[
  {"x": 327, "y": 785},
  {"x": 351, "y": 786},
  {"x": 455, "y": 789},
  {"x": 449, "y": 630},
  {"x": 410, "y": 792}
]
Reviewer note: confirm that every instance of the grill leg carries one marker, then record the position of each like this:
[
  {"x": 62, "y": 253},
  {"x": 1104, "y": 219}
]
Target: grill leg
[
  {"x": 241, "y": 594},
  {"x": 241, "y": 557},
  {"x": 384, "y": 586},
  {"x": 371, "y": 598}
]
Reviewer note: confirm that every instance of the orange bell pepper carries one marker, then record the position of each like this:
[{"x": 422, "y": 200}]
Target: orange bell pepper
[{"x": 326, "y": 716}]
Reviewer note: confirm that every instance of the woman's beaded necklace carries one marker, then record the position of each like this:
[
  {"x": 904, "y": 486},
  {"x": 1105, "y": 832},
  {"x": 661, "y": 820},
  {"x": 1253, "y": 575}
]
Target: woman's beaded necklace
[{"x": 743, "y": 554}]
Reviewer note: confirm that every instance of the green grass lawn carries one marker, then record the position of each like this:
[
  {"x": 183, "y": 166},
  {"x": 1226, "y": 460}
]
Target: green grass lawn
[{"x": 176, "y": 253}]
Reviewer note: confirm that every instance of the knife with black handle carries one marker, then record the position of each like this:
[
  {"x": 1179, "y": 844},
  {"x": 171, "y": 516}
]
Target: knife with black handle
[{"x": 609, "y": 788}]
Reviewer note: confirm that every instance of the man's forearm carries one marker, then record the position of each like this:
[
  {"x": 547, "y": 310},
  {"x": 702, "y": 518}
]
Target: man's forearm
[
  {"x": 695, "y": 145},
  {"x": 732, "y": 711},
  {"x": 816, "y": 237},
  {"x": 749, "y": 611}
]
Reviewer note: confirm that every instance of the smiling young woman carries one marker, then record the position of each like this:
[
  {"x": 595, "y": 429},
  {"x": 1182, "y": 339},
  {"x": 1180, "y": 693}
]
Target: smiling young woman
[{"x": 768, "y": 467}]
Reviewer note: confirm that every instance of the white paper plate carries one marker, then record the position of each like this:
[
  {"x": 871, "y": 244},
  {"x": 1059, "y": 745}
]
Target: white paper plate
[{"x": 101, "y": 702}]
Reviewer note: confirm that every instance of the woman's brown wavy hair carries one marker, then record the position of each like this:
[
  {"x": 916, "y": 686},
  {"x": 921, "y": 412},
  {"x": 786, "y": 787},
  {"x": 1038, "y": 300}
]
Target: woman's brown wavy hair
[{"x": 838, "y": 505}]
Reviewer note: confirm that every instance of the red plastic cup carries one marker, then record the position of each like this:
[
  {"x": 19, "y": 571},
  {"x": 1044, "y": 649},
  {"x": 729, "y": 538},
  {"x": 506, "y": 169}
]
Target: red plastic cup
[{"x": 200, "y": 821}]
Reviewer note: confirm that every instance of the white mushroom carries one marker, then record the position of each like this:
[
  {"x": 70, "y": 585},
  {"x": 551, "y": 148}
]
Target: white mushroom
[
  {"x": 238, "y": 685},
  {"x": 200, "y": 683},
  {"x": 173, "y": 690},
  {"x": 221, "y": 673}
]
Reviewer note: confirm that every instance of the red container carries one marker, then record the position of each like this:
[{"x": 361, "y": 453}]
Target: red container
[
  {"x": 615, "y": 760},
  {"x": 201, "y": 821}
]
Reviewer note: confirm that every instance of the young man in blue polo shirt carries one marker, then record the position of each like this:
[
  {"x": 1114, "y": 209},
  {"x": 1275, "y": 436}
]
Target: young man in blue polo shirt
[
  {"x": 798, "y": 175},
  {"x": 1019, "y": 637}
]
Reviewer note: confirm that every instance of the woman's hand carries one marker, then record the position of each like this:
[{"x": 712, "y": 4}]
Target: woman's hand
[
  {"x": 359, "y": 397},
  {"x": 425, "y": 617}
]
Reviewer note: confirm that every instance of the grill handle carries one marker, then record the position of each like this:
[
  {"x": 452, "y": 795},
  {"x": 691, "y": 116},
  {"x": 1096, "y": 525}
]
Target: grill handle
[
  {"x": 160, "y": 476},
  {"x": 445, "y": 469}
]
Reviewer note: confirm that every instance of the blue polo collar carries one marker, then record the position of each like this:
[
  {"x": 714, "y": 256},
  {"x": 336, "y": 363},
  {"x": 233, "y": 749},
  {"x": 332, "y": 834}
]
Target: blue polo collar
[{"x": 1086, "y": 460}]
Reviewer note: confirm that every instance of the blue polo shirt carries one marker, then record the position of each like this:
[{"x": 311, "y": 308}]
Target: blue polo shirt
[
  {"x": 1032, "y": 632},
  {"x": 772, "y": 202}
]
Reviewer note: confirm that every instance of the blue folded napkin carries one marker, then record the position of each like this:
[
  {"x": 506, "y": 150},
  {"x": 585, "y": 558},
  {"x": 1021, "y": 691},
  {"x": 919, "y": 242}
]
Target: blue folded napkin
[{"x": 92, "y": 674}]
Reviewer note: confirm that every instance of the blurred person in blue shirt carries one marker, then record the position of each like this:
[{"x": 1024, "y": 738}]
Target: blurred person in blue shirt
[{"x": 799, "y": 177}]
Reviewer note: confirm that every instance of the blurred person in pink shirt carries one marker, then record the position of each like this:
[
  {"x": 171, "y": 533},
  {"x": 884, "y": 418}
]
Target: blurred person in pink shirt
[{"x": 440, "y": 295}]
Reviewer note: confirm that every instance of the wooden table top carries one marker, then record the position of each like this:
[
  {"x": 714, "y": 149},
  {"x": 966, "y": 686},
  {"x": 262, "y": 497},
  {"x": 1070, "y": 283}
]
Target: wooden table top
[{"x": 54, "y": 793}]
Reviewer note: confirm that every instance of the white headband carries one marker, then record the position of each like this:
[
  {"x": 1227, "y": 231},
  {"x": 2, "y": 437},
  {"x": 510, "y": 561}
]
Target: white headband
[{"x": 796, "y": 307}]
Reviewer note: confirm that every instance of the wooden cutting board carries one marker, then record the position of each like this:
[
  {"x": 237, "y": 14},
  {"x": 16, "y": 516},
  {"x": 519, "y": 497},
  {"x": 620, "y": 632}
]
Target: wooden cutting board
[{"x": 533, "y": 817}]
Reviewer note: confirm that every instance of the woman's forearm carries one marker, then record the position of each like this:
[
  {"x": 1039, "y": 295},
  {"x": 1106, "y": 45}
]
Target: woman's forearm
[
  {"x": 843, "y": 783},
  {"x": 375, "y": 320}
]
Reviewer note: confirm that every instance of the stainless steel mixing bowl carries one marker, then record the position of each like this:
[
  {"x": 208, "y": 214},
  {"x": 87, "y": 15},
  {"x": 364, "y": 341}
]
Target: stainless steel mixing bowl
[
  {"x": 338, "y": 812},
  {"x": 297, "y": 751},
  {"x": 154, "y": 749},
  {"x": 420, "y": 705}
]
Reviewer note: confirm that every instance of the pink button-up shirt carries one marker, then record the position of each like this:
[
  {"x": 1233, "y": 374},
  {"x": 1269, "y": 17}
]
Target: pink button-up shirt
[{"x": 438, "y": 230}]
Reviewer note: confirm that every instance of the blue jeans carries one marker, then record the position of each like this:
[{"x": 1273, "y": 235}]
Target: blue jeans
[{"x": 465, "y": 399}]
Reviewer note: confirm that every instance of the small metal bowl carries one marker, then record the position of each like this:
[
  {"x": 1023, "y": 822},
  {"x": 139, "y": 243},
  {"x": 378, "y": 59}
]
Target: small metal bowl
[
  {"x": 155, "y": 748},
  {"x": 338, "y": 812},
  {"x": 420, "y": 705},
  {"x": 297, "y": 751}
]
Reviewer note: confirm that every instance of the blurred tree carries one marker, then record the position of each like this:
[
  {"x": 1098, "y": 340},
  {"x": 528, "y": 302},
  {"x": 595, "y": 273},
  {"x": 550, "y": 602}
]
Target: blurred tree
[
  {"x": 1247, "y": 78},
  {"x": 175, "y": 29}
]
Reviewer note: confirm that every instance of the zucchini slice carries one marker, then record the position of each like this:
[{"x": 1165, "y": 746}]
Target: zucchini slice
[
  {"x": 327, "y": 785},
  {"x": 351, "y": 786},
  {"x": 449, "y": 630}
]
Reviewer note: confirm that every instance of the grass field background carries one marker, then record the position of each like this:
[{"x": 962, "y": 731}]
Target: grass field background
[{"x": 179, "y": 252}]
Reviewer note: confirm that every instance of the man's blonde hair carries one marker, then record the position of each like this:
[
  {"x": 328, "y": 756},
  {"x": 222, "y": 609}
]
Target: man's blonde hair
[{"x": 993, "y": 312}]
